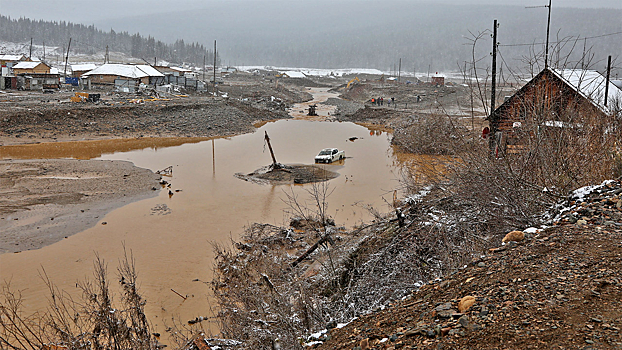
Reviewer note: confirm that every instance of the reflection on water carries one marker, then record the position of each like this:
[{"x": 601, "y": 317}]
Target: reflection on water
[{"x": 173, "y": 248}]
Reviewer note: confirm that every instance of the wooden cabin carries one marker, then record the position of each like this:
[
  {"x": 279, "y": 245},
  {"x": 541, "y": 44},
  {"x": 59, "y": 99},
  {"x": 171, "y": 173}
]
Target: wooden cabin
[
  {"x": 35, "y": 67},
  {"x": 553, "y": 99}
]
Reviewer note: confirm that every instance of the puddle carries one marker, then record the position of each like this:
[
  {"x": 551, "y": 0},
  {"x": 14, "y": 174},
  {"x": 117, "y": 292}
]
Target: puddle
[{"x": 172, "y": 237}]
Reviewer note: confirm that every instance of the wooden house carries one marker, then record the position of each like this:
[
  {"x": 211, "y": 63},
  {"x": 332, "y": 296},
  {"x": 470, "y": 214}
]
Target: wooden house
[
  {"x": 77, "y": 70},
  {"x": 124, "y": 77},
  {"x": 34, "y": 67},
  {"x": 553, "y": 99}
]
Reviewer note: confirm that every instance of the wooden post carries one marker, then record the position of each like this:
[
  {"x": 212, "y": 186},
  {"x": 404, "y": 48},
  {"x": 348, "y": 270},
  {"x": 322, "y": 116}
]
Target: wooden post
[
  {"x": 67, "y": 59},
  {"x": 215, "y": 69},
  {"x": 493, "y": 84},
  {"x": 267, "y": 138},
  {"x": 546, "y": 49},
  {"x": 607, "y": 81}
]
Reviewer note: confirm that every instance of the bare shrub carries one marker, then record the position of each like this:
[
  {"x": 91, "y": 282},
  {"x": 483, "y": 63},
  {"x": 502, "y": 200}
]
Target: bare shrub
[
  {"x": 431, "y": 135},
  {"x": 93, "y": 322}
]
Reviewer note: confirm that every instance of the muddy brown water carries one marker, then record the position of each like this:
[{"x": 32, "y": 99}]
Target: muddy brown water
[{"x": 172, "y": 237}]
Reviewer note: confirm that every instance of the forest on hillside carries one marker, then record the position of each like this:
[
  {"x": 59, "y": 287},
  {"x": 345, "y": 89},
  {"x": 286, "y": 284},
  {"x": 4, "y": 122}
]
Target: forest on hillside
[{"x": 91, "y": 40}]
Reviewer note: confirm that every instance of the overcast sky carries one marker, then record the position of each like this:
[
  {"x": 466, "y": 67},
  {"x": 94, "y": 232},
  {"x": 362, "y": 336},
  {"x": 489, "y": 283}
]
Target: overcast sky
[{"x": 90, "y": 11}]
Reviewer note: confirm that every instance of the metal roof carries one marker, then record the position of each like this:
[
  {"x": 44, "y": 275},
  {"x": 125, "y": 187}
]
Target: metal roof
[
  {"x": 591, "y": 85},
  {"x": 125, "y": 70},
  {"x": 83, "y": 67},
  {"x": 27, "y": 65},
  {"x": 11, "y": 57}
]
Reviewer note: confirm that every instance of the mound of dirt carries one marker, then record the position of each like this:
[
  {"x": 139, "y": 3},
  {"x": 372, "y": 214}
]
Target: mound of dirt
[{"x": 289, "y": 174}]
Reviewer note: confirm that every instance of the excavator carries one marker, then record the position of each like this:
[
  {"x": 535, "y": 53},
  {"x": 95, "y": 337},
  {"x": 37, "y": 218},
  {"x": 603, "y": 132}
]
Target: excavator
[{"x": 352, "y": 81}]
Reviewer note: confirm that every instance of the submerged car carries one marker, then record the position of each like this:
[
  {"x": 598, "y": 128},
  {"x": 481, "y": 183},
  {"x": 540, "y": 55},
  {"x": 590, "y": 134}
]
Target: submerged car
[{"x": 329, "y": 155}]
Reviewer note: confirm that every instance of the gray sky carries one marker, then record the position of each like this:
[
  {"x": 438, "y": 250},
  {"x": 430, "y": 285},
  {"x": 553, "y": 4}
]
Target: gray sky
[{"x": 89, "y": 11}]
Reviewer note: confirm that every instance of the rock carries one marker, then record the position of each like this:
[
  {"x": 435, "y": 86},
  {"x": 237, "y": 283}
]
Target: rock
[
  {"x": 441, "y": 307},
  {"x": 364, "y": 344},
  {"x": 464, "y": 321},
  {"x": 481, "y": 264},
  {"x": 331, "y": 325},
  {"x": 465, "y": 303},
  {"x": 581, "y": 222},
  {"x": 514, "y": 236}
]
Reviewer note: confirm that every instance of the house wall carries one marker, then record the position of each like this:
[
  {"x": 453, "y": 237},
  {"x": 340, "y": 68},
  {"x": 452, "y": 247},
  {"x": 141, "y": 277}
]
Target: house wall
[
  {"x": 544, "y": 99},
  {"x": 40, "y": 69},
  {"x": 103, "y": 79}
]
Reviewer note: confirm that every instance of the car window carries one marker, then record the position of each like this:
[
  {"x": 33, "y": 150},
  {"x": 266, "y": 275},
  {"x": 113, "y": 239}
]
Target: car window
[{"x": 334, "y": 151}]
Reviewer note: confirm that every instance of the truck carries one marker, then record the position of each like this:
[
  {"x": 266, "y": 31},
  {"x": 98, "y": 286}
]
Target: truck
[{"x": 329, "y": 155}]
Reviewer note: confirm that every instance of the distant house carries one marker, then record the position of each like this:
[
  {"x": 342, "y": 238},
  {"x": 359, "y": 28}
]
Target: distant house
[
  {"x": 7, "y": 79},
  {"x": 293, "y": 74},
  {"x": 174, "y": 71},
  {"x": 438, "y": 80},
  {"x": 124, "y": 77},
  {"x": 30, "y": 67},
  {"x": 77, "y": 70},
  {"x": 554, "y": 98},
  {"x": 8, "y": 61}
]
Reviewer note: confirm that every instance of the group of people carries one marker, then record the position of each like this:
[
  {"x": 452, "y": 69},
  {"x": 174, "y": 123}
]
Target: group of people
[{"x": 380, "y": 101}]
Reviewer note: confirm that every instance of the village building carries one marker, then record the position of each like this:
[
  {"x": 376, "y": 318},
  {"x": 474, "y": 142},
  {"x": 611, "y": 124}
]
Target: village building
[
  {"x": 31, "y": 67},
  {"x": 555, "y": 98},
  {"x": 7, "y": 79},
  {"x": 124, "y": 77},
  {"x": 77, "y": 70},
  {"x": 34, "y": 75},
  {"x": 174, "y": 71}
]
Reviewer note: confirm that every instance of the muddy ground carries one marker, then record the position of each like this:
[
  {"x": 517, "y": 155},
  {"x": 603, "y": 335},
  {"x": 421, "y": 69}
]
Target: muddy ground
[
  {"x": 44, "y": 201},
  {"x": 244, "y": 101},
  {"x": 289, "y": 174}
]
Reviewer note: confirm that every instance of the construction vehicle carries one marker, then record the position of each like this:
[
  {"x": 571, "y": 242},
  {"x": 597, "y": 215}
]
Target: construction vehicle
[{"x": 352, "y": 81}]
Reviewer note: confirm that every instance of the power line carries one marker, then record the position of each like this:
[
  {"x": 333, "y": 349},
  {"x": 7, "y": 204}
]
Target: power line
[{"x": 556, "y": 42}]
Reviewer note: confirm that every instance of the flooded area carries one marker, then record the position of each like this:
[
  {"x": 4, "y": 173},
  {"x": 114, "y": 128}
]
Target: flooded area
[{"x": 172, "y": 236}]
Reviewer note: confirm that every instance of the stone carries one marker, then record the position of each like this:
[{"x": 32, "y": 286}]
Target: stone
[
  {"x": 441, "y": 307},
  {"x": 481, "y": 264},
  {"x": 466, "y": 303},
  {"x": 364, "y": 344},
  {"x": 514, "y": 236},
  {"x": 581, "y": 222},
  {"x": 464, "y": 321}
]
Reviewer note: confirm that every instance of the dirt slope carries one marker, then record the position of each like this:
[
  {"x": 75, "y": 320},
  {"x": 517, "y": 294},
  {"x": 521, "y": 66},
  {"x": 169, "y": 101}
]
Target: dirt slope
[{"x": 560, "y": 288}]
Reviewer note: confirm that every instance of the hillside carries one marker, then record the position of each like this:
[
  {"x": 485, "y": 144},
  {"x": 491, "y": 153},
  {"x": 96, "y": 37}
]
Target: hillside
[
  {"x": 91, "y": 40},
  {"x": 558, "y": 288}
]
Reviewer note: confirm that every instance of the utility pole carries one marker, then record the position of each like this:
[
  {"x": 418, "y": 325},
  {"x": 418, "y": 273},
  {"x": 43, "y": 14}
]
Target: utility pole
[
  {"x": 44, "y": 50},
  {"x": 399, "y": 71},
  {"x": 494, "y": 68},
  {"x": 203, "y": 67},
  {"x": 107, "y": 57},
  {"x": 30, "y": 54},
  {"x": 548, "y": 27},
  {"x": 607, "y": 81},
  {"x": 66, "y": 60},
  {"x": 215, "y": 69}
]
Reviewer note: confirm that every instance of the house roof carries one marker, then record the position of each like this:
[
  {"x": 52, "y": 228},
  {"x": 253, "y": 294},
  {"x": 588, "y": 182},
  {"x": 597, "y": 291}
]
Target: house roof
[
  {"x": 83, "y": 67},
  {"x": 179, "y": 69},
  {"x": 587, "y": 83},
  {"x": 125, "y": 70},
  {"x": 294, "y": 74},
  {"x": 11, "y": 57},
  {"x": 591, "y": 85},
  {"x": 27, "y": 65}
]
